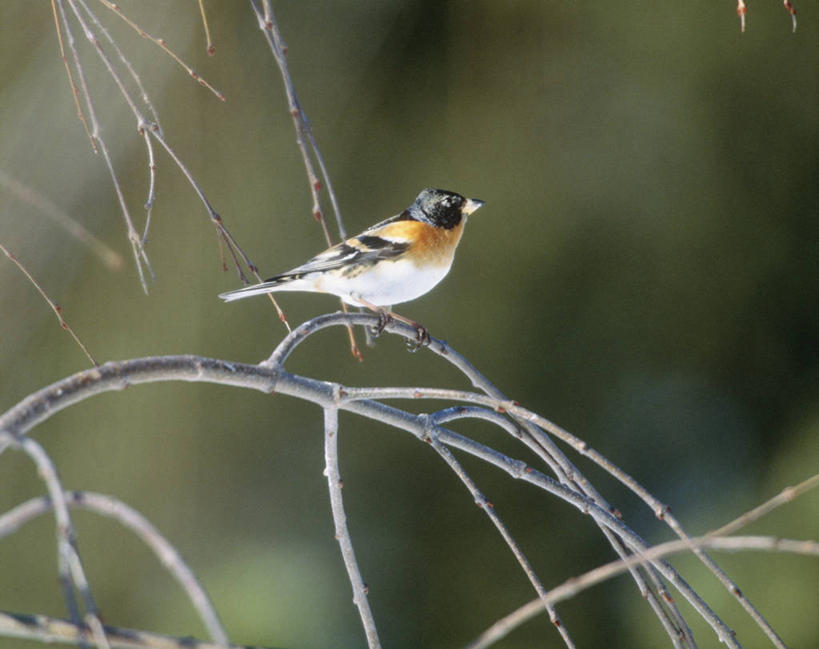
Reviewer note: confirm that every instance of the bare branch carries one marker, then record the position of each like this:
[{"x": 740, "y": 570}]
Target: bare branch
[
  {"x": 209, "y": 43},
  {"x": 58, "y": 310},
  {"x": 168, "y": 556},
  {"x": 161, "y": 42},
  {"x": 72, "y": 572},
  {"x": 345, "y": 542},
  {"x": 489, "y": 509},
  {"x": 270, "y": 29},
  {"x": 787, "y": 495},
  {"x": 116, "y": 375},
  {"x": 51, "y": 630},
  {"x": 575, "y": 585}
]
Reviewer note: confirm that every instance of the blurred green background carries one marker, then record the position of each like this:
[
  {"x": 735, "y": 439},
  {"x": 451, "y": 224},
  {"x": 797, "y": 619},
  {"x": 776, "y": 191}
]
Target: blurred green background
[{"x": 644, "y": 273}]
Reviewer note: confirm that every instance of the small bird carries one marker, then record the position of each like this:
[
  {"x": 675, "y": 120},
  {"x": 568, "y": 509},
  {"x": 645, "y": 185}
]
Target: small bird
[{"x": 394, "y": 261}]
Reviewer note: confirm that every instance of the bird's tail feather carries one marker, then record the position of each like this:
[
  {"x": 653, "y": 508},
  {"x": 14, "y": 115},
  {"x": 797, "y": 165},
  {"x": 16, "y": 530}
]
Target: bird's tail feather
[{"x": 248, "y": 291}]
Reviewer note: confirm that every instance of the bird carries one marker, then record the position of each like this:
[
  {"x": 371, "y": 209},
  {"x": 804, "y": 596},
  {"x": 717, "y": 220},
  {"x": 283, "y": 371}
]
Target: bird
[{"x": 392, "y": 262}]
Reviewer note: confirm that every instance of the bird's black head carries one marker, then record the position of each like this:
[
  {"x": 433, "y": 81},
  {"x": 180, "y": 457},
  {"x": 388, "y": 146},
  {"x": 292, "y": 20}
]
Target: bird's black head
[{"x": 442, "y": 208}]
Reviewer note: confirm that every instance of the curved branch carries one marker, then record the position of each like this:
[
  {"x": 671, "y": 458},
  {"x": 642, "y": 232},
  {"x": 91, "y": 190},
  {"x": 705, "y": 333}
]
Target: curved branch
[
  {"x": 110, "y": 507},
  {"x": 119, "y": 375}
]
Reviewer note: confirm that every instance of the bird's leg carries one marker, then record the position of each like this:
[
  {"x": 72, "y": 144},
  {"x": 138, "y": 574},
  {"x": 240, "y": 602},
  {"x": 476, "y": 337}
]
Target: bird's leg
[
  {"x": 383, "y": 320},
  {"x": 385, "y": 314}
]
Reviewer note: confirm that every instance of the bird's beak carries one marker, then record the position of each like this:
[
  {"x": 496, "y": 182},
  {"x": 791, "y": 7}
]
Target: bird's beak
[{"x": 471, "y": 205}]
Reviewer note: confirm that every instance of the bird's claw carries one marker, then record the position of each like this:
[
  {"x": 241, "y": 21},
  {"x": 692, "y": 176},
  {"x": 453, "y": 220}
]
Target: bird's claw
[
  {"x": 383, "y": 320},
  {"x": 422, "y": 339}
]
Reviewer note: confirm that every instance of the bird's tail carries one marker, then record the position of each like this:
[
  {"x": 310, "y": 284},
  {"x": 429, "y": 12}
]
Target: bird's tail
[{"x": 257, "y": 289}]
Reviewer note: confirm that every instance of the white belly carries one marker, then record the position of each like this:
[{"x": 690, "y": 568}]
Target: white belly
[{"x": 386, "y": 284}]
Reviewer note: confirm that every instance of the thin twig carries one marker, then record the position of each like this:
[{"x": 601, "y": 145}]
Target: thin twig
[
  {"x": 489, "y": 509},
  {"x": 43, "y": 629},
  {"x": 792, "y": 11},
  {"x": 161, "y": 42},
  {"x": 110, "y": 257},
  {"x": 140, "y": 256},
  {"x": 270, "y": 29},
  {"x": 149, "y": 203},
  {"x": 74, "y": 90},
  {"x": 147, "y": 127},
  {"x": 168, "y": 556},
  {"x": 345, "y": 542},
  {"x": 575, "y": 585},
  {"x": 69, "y": 561},
  {"x": 58, "y": 310},
  {"x": 787, "y": 495},
  {"x": 512, "y": 408},
  {"x": 211, "y": 50}
]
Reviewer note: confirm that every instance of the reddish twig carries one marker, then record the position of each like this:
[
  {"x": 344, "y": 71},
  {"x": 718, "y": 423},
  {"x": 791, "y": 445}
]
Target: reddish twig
[
  {"x": 161, "y": 42},
  {"x": 210, "y": 48},
  {"x": 58, "y": 310}
]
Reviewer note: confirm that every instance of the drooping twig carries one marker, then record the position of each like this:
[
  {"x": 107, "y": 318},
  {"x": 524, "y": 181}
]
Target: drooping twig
[
  {"x": 161, "y": 42},
  {"x": 58, "y": 310},
  {"x": 304, "y": 136},
  {"x": 792, "y": 11},
  {"x": 209, "y": 43},
  {"x": 74, "y": 90},
  {"x": 742, "y": 10},
  {"x": 148, "y": 128},
  {"x": 140, "y": 256}
]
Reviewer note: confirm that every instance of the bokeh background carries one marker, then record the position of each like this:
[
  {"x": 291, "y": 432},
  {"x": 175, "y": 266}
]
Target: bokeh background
[{"x": 644, "y": 273}]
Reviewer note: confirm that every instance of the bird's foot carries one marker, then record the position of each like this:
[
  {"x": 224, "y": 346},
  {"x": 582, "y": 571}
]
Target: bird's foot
[
  {"x": 422, "y": 339},
  {"x": 384, "y": 318}
]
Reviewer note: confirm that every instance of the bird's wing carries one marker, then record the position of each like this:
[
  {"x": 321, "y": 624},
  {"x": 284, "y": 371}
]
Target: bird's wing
[{"x": 357, "y": 252}]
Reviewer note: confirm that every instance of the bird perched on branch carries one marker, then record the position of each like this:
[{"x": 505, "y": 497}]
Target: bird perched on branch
[{"x": 394, "y": 261}]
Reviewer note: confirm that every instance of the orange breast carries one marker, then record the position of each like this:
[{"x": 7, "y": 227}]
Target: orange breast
[{"x": 434, "y": 246}]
